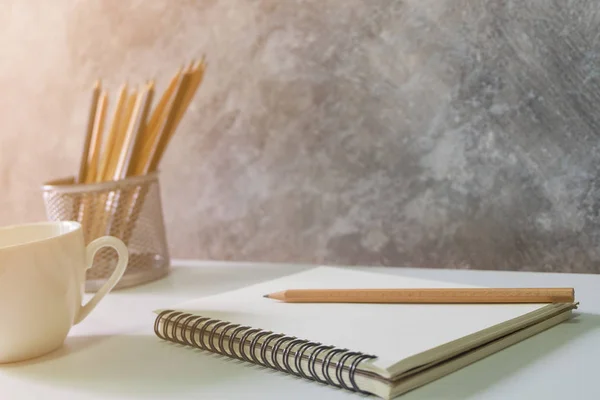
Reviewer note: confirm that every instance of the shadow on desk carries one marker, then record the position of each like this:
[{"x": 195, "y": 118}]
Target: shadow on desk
[
  {"x": 139, "y": 366},
  {"x": 471, "y": 381}
]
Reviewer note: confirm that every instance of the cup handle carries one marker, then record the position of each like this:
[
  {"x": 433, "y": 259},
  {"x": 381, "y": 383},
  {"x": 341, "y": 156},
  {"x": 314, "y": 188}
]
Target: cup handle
[{"x": 91, "y": 250}]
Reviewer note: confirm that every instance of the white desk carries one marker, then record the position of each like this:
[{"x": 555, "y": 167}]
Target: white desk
[{"x": 114, "y": 354}]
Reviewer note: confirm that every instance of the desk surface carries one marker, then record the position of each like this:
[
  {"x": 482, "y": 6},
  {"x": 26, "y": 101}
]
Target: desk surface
[{"x": 114, "y": 354}]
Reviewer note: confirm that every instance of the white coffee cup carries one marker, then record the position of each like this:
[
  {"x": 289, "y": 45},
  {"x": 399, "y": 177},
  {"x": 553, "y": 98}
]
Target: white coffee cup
[{"x": 42, "y": 280}]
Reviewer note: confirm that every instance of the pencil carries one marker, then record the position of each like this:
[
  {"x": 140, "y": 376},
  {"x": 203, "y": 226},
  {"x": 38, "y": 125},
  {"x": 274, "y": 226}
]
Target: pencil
[
  {"x": 83, "y": 164},
  {"x": 426, "y": 296}
]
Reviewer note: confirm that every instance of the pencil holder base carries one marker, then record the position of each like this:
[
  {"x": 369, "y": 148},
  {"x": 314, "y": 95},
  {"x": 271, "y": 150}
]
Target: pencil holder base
[{"x": 129, "y": 209}]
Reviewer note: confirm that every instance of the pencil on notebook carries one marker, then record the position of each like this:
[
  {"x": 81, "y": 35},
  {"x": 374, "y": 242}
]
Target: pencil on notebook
[{"x": 428, "y": 295}]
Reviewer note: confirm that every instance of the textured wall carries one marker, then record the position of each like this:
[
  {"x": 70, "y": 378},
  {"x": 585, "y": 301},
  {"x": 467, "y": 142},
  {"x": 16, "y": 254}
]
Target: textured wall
[{"x": 428, "y": 133}]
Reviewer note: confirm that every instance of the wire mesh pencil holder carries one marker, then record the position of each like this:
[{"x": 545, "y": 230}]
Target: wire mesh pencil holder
[{"x": 129, "y": 209}]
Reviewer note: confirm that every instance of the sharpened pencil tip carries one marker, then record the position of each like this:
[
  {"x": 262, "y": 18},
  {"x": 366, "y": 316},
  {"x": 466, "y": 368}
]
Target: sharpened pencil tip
[{"x": 266, "y": 296}]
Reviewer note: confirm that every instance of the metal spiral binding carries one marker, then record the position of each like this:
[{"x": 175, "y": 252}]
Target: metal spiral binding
[{"x": 202, "y": 332}]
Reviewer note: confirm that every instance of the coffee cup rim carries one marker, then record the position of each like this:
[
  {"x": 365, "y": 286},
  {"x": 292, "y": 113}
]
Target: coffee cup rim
[{"x": 74, "y": 225}]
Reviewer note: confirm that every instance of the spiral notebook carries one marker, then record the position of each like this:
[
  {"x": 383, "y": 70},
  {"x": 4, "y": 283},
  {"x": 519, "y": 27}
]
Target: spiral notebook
[{"x": 379, "y": 349}]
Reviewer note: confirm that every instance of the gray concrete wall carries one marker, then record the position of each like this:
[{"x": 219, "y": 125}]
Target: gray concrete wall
[{"x": 457, "y": 133}]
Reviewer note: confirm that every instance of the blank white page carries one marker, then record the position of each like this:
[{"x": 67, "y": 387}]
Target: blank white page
[{"x": 392, "y": 332}]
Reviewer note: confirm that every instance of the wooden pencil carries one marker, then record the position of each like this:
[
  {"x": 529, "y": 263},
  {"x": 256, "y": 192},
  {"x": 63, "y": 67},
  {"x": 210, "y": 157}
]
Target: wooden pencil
[
  {"x": 131, "y": 134},
  {"x": 96, "y": 141},
  {"x": 121, "y": 136},
  {"x": 87, "y": 208},
  {"x": 83, "y": 163},
  {"x": 125, "y": 198},
  {"x": 426, "y": 295},
  {"x": 103, "y": 209},
  {"x": 197, "y": 73},
  {"x": 156, "y": 121},
  {"x": 109, "y": 147},
  {"x": 141, "y": 130},
  {"x": 81, "y": 205},
  {"x": 165, "y": 133},
  {"x": 144, "y": 152}
]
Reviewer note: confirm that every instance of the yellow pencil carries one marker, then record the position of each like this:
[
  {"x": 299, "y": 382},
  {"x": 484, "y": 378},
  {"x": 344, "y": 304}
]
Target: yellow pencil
[{"x": 429, "y": 295}]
